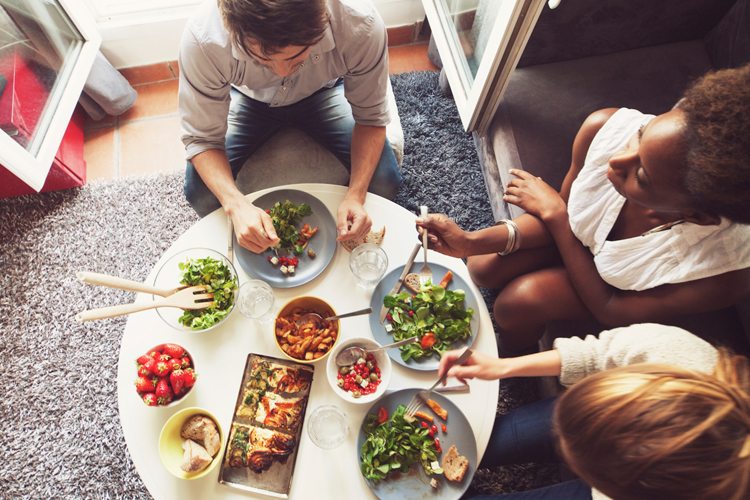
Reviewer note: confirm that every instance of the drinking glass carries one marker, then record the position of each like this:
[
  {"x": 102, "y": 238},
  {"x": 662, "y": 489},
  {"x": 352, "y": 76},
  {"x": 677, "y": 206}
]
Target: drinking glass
[
  {"x": 327, "y": 427},
  {"x": 255, "y": 299},
  {"x": 368, "y": 262}
]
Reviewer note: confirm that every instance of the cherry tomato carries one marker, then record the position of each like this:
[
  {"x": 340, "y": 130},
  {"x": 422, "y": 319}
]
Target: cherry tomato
[
  {"x": 428, "y": 340},
  {"x": 382, "y": 415},
  {"x": 437, "y": 445},
  {"x": 424, "y": 424},
  {"x": 444, "y": 428}
]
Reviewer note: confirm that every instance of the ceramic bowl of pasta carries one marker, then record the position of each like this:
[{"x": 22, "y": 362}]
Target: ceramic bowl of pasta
[
  {"x": 193, "y": 267},
  {"x": 301, "y": 338}
]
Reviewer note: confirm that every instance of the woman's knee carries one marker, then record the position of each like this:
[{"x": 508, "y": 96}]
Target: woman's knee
[
  {"x": 521, "y": 304},
  {"x": 483, "y": 270}
]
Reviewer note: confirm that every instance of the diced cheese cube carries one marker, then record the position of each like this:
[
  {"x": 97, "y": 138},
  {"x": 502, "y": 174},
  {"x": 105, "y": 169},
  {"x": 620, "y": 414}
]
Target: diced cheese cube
[
  {"x": 284, "y": 269},
  {"x": 435, "y": 465},
  {"x": 388, "y": 327},
  {"x": 364, "y": 383}
]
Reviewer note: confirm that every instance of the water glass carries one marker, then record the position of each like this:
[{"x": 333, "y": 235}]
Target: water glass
[
  {"x": 255, "y": 299},
  {"x": 368, "y": 262},
  {"x": 327, "y": 427}
]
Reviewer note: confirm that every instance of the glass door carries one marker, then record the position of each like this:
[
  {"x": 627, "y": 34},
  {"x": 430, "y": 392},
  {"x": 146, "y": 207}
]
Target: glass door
[
  {"x": 480, "y": 43},
  {"x": 47, "y": 48}
]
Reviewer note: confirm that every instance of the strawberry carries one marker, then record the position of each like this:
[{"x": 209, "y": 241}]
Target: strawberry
[
  {"x": 144, "y": 384},
  {"x": 164, "y": 394},
  {"x": 176, "y": 378},
  {"x": 173, "y": 350},
  {"x": 186, "y": 363},
  {"x": 154, "y": 354},
  {"x": 150, "y": 365},
  {"x": 143, "y": 371},
  {"x": 150, "y": 399},
  {"x": 142, "y": 360},
  {"x": 189, "y": 377},
  {"x": 174, "y": 364},
  {"x": 160, "y": 368},
  {"x": 164, "y": 357}
]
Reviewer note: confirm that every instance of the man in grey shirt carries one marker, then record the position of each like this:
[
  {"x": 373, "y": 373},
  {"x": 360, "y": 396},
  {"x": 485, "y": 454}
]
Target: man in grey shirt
[{"x": 250, "y": 67}]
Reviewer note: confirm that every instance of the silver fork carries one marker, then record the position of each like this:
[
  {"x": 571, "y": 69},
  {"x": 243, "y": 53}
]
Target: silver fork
[
  {"x": 420, "y": 396},
  {"x": 425, "y": 274}
]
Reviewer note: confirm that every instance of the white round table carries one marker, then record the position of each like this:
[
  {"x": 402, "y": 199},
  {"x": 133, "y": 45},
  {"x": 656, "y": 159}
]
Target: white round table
[{"x": 220, "y": 357}]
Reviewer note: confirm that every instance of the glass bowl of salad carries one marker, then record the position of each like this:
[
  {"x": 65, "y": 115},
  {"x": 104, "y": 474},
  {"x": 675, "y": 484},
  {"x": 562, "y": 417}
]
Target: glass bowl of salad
[
  {"x": 366, "y": 379},
  {"x": 198, "y": 266}
]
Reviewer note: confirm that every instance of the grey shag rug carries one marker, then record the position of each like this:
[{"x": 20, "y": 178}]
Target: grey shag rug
[{"x": 59, "y": 422}]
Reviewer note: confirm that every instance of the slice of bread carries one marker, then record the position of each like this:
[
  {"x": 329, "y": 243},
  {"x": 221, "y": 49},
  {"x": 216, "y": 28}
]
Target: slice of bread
[
  {"x": 455, "y": 465},
  {"x": 375, "y": 237},
  {"x": 411, "y": 281}
]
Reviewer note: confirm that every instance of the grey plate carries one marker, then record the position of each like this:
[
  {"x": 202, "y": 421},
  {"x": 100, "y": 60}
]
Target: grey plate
[
  {"x": 416, "y": 484},
  {"x": 378, "y": 331},
  {"x": 324, "y": 243}
]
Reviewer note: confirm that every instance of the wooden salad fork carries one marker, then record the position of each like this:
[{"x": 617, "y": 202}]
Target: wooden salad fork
[
  {"x": 420, "y": 396},
  {"x": 124, "y": 284},
  {"x": 425, "y": 273},
  {"x": 194, "y": 297}
]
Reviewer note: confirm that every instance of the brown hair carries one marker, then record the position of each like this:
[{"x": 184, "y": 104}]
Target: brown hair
[
  {"x": 717, "y": 109},
  {"x": 655, "y": 431},
  {"x": 274, "y": 24}
]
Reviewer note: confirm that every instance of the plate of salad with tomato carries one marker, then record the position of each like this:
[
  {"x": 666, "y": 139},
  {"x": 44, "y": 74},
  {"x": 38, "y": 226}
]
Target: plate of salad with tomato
[
  {"x": 307, "y": 233},
  {"x": 444, "y": 316},
  {"x": 400, "y": 457}
]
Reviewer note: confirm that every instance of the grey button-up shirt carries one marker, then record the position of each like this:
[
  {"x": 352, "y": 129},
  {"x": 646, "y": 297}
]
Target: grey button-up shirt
[{"x": 354, "y": 47}]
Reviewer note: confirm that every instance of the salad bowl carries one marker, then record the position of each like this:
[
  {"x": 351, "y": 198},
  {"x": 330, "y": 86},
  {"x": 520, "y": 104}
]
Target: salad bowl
[
  {"x": 381, "y": 360},
  {"x": 198, "y": 266}
]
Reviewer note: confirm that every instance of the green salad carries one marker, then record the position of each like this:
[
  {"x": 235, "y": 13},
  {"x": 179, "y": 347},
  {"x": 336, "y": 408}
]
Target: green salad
[
  {"x": 285, "y": 217},
  {"x": 395, "y": 444},
  {"x": 219, "y": 280},
  {"x": 438, "y": 316}
]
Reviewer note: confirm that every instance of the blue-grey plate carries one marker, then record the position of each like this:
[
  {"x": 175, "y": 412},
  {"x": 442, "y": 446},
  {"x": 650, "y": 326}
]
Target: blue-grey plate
[
  {"x": 378, "y": 330},
  {"x": 324, "y": 243},
  {"x": 416, "y": 484}
]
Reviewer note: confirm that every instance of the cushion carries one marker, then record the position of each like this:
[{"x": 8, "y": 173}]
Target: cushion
[{"x": 291, "y": 156}]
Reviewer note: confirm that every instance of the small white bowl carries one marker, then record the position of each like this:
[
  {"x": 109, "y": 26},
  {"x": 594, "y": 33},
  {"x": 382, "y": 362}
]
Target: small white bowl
[{"x": 382, "y": 359}]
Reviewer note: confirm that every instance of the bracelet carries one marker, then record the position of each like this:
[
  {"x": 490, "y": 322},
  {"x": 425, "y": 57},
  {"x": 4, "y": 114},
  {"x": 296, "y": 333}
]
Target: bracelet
[{"x": 514, "y": 237}]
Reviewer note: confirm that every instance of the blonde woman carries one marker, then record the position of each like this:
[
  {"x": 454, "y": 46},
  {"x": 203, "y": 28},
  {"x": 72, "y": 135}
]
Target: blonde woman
[{"x": 653, "y": 412}]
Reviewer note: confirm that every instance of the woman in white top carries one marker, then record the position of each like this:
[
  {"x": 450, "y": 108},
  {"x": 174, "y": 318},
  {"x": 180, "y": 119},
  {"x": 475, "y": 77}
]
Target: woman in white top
[
  {"x": 650, "y": 222},
  {"x": 652, "y": 412}
]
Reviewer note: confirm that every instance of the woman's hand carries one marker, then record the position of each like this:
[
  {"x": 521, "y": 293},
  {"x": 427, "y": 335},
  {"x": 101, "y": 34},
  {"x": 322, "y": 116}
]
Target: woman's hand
[
  {"x": 478, "y": 365},
  {"x": 444, "y": 235},
  {"x": 534, "y": 195}
]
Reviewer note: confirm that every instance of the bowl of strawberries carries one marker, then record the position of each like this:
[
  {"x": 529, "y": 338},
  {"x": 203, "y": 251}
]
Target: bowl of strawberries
[{"x": 165, "y": 375}]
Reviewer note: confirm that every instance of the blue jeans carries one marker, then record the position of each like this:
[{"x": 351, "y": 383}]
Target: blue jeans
[
  {"x": 326, "y": 116},
  {"x": 525, "y": 435}
]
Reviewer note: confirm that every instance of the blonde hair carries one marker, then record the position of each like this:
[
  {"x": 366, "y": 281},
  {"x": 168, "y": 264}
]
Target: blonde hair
[{"x": 656, "y": 431}]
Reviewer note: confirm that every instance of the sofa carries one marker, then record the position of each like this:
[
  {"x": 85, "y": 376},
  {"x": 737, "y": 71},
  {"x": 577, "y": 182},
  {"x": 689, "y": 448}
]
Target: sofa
[{"x": 586, "y": 55}]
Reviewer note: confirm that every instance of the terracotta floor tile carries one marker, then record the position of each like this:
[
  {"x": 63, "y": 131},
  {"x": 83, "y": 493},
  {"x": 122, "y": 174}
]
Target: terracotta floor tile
[
  {"x": 99, "y": 153},
  {"x": 150, "y": 146},
  {"x": 406, "y": 58},
  {"x": 154, "y": 99},
  {"x": 148, "y": 74}
]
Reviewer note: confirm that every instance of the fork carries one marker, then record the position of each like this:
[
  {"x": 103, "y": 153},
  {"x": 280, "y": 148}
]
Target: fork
[
  {"x": 194, "y": 297},
  {"x": 425, "y": 274},
  {"x": 416, "y": 401}
]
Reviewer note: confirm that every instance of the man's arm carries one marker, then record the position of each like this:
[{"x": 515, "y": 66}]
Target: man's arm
[
  {"x": 367, "y": 146},
  {"x": 253, "y": 226}
]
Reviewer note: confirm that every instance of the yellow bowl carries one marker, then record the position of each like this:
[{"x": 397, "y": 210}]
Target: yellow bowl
[
  {"x": 308, "y": 304},
  {"x": 170, "y": 443}
]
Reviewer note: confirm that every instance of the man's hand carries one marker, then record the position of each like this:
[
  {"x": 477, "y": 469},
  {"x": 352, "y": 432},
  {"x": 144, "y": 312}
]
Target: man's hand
[
  {"x": 444, "y": 235},
  {"x": 253, "y": 227},
  {"x": 353, "y": 223}
]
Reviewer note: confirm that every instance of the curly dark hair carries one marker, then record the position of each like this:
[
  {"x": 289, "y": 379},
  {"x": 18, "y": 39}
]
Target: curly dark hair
[
  {"x": 717, "y": 108},
  {"x": 274, "y": 24}
]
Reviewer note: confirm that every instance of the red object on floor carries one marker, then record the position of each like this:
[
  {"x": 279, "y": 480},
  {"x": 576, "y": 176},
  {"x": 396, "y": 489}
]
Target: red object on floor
[{"x": 21, "y": 105}]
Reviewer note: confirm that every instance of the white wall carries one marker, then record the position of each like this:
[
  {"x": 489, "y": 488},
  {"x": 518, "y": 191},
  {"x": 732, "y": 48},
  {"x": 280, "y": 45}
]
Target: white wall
[{"x": 140, "y": 32}]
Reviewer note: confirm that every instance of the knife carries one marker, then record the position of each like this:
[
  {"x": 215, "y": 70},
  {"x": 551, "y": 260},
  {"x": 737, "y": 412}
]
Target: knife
[{"x": 400, "y": 280}]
